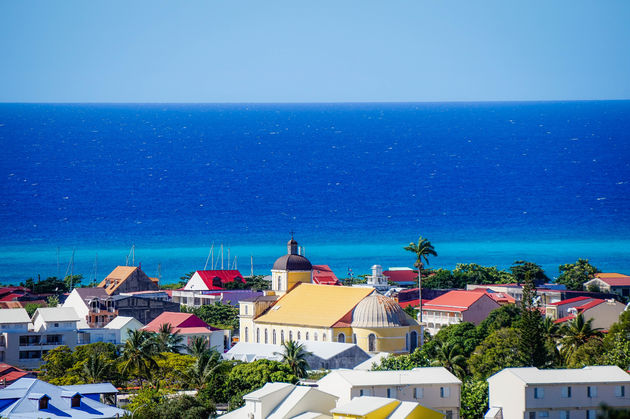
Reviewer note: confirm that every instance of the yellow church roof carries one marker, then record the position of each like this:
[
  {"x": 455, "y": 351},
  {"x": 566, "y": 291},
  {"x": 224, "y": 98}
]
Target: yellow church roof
[{"x": 314, "y": 305}]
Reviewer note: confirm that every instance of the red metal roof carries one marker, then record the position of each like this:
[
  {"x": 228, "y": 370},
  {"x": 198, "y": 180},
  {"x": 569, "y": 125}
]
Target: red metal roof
[
  {"x": 323, "y": 275},
  {"x": 182, "y": 322},
  {"x": 499, "y": 297},
  {"x": 614, "y": 279},
  {"x": 224, "y": 277},
  {"x": 453, "y": 301},
  {"x": 9, "y": 373},
  {"x": 569, "y": 301},
  {"x": 402, "y": 276}
]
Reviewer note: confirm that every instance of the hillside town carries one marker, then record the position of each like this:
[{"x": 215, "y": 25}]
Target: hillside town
[{"x": 403, "y": 342}]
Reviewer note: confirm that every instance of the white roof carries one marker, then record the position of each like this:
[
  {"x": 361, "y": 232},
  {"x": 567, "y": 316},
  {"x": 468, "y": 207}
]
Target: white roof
[
  {"x": 593, "y": 374},
  {"x": 266, "y": 390},
  {"x": 121, "y": 321},
  {"x": 246, "y": 351},
  {"x": 361, "y": 406},
  {"x": 427, "y": 375},
  {"x": 57, "y": 314},
  {"x": 312, "y": 415},
  {"x": 376, "y": 359},
  {"x": 14, "y": 315},
  {"x": 403, "y": 410}
]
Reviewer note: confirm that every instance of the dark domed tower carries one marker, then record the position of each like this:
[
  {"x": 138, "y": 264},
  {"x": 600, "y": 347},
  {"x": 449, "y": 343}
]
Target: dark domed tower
[{"x": 290, "y": 269}]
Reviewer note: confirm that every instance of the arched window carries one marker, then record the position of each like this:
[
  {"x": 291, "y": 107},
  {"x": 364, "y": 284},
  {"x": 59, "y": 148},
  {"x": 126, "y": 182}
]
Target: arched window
[
  {"x": 306, "y": 338},
  {"x": 257, "y": 335},
  {"x": 281, "y": 337},
  {"x": 341, "y": 338},
  {"x": 354, "y": 338},
  {"x": 413, "y": 344},
  {"x": 299, "y": 335},
  {"x": 266, "y": 336},
  {"x": 273, "y": 334},
  {"x": 324, "y": 337},
  {"x": 290, "y": 335},
  {"x": 372, "y": 342},
  {"x": 315, "y": 336},
  {"x": 246, "y": 334}
]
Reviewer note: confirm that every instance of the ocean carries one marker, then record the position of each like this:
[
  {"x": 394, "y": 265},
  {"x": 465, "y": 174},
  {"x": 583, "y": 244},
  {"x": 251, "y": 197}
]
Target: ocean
[{"x": 487, "y": 183}]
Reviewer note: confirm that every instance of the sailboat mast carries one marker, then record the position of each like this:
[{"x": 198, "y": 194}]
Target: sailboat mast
[
  {"x": 251, "y": 257},
  {"x": 209, "y": 256},
  {"x": 221, "y": 256}
]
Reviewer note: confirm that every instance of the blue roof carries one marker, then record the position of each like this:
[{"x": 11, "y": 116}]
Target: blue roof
[{"x": 20, "y": 398}]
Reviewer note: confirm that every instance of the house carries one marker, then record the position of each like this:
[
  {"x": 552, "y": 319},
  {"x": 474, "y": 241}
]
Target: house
[
  {"x": 284, "y": 401},
  {"x": 10, "y": 374},
  {"x": 323, "y": 355},
  {"x": 323, "y": 275},
  {"x": 128, "y": 279},
  {"x": 402, "y": 276},
  {"x": 198, "y": 298},
  {"x": 432, "y": 387},
  {"x": 611, "y": 282},
  {"x": 370, "y": 407},
  {"x": 212, "y": 280},
  {"x": 18, "y": 297},
  {"x": 548, "y": 293},
  {"x": 602, "y": 312},
  {"x": 31, "y": 398},
  {"x": 500, "y": 297},
  {"x": 189, "y": 326},
  {"x": 122, "y": 326},
  {"x": 297, "y": 309},
  {"x": 532, "y": 393},
  {"x": 456, "y": 307}
]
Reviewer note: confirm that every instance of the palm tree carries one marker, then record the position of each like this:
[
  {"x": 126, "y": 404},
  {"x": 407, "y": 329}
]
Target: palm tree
[
  {"x": 449, "y": 355},
  {"x": 577, "y": 332},
  {"x": 294, "y": 355},
  {"x": 198, "y": 346},
  {"x": 96, "y": 369},
  {"x": 139, "y": 353},
  {"x": 206, "y": 366},
  {"x": 552, "y": 330},
  {"x": 422, "y": 250},
  {"x": 169, "y": 341}
]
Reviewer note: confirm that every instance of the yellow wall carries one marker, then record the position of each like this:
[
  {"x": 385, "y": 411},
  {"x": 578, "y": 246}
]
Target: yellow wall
[
  {"x": 295, "y": 277},
  {"x": 388, "y": 339},
  {"x": 421, "y": 412},
  {"x": 380, "y": 413}
]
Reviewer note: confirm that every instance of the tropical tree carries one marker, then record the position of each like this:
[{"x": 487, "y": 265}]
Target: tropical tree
[
  {"x": 498, "y": 351},
  {"x": 576, "y": 333},
  {"x": 96, "y": 370},
  {"x": 198, "y": 346},
  {"x": 203, "y": 371},
  {"x": 532, "y": 350},
  {"x": 139, "y": 354},
  {"x": 168, "y": 340},
  {"x": 574, "y": 275},
  {"x": 449, "y": 355},
  {"x": 423, "y": 249},
  {"x": 474, "y": 398},
  {"x": 294, "y": 355},
  {"x": 520, "y": 269}
]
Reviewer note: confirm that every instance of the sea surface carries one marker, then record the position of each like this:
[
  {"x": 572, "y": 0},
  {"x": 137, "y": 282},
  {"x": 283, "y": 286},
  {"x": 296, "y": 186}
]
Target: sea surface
[{"x": 488, "y": 183}]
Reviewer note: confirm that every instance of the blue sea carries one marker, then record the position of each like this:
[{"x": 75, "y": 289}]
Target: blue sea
[{"x": 488, "y": 183}]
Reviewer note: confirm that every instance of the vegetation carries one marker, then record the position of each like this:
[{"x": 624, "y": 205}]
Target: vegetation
[
  {"x": 294, "y": 355},
  {"x": 574, "y": 275},
  {"x": 532, "y": 348},
  {"x": 222, "y": 316},
  {"x": 53, "y": 285}
]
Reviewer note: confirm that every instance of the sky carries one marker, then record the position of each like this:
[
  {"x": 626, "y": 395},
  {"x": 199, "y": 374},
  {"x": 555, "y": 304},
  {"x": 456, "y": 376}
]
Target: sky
[{"x": 313, "y": 51}]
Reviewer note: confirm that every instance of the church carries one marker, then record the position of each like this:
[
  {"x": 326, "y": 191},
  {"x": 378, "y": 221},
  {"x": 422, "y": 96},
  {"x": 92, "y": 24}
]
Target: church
[{"x": 297, "y": 309}]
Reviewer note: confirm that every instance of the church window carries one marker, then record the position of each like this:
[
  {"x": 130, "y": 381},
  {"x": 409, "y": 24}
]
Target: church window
[
  {"x": 290, "y": 335},
  {"x": 324, "y": 337},
  {"x": 273, "y": 336},
  {"x": 354, "y": 338},
  {"x": 413, "y": 344},
  {"x": 246, "y": 334},
  {"x": 299, "y": 336},
  {"x": 266, "y": 336},
  {"x": 281, "y": 337},
  {"x": 372, "y": 342},
  {"x": 257, "y": 335},
  {"x": 341, "y": 338},
  {"x": 315, "y": 336},
  {"x": 306, "y": 338}
]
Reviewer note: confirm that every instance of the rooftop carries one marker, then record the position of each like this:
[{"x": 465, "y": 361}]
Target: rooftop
[
  {"x": 454, "y": 301},
  {"x": 427, "y": 375},
  {"x": 592, "y": 374},
  {"x": 56, "y": 314},
  {"x": 614, "y": 279},
  {"x": 14, "y": 315},
  {"x": 181, "y": 322},
  {"x": 361, "y": 406}
]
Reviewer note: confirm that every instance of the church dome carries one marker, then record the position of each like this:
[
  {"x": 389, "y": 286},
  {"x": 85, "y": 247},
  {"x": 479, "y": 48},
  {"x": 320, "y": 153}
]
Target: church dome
[
  {"x": 292, "y": 263},
  {"x": 376, "y": 310}
]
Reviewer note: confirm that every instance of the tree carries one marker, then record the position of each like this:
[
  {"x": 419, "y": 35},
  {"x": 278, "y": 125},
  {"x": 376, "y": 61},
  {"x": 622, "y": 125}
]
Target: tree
[
  {"x": 171, "y": 370},
  {"x": 532, "y": 350},
  {"x": 169, "y": 340},
  {"x": 72, "y": 281},
  {"x": 57, "y": 362},
  {"x": 222, "y": 316},
  {"x": 403, "y": 362},
  {"x": 31, "y": 308},
  {"x": 498, "y": 351},
  {"x": 294, "y": 355},
  {"x": 258, "y": 283},
  {"x": 505, "y": 316},
  {"x": 449, "y": 355},
  {"x": 576, "y": 333},
  {"x": 474, "y": 399},
  {"x": 202, "y": 372},
  {"x": 96, "y": 369},
  {"x": 608, "y": 412},
  {"x": 423, "y": 249},
  {"x": 198, "y": 346},
  {"x": 139, "y": 354},
  {"x": 574, "y": 275},
  {"x": 521, "y": 269},
  {"x": 52, "y": 301}
]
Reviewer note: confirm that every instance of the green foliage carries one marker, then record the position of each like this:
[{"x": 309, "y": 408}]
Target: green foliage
[
  {"x": 145, "y": 402},
  {"x": 498, "y": 351},
  {"x": 52, "y": 285},
  {"x": 532, "y": 349},
  {"x": 52, "y": 301},
  {"x": 170, "y": 370},
  {"x": 403, "y": 362},
  {"x": 411, "y": 311},
  {"x": 186, "y": 277},
  {"x": 294, "y": 355},
  {"x": 474, "y": 399},
  {"x": 618, "y": 353},
  {"x": 258, "y": 283},
  {"x": 521, "y": 269},
  {"x": 223, "y": 316},
  {"x": 505, "y": 316},
  {"x": 575, "y": 334},
  {"x": 57, "y": 362},
  {"x": 574, "y": 275},
  {"x": 206, "y": 369},
  {"x": 95, "y": 362},
  {"x": 590, "y": 353},
  {"x": 31, "y": 308},
  {"x": 467, "y": 273},
  {"x": 245, "y": 378},
  {"x": 139, "y": 355},
  {"x": 464, "y": 334},
  {"x": 449, "y": 355},
  {"x": 173, "y": 286},
  {"x": 169, "y": 341},
  {"x": 608, "y": 412}
]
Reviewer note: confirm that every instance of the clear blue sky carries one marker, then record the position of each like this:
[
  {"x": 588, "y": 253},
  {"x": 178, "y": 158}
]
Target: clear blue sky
[{"x": 313, "y": 51}]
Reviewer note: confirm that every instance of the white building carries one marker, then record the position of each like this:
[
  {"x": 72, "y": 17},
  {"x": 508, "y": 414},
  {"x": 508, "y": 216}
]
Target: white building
[
  {"x": 531, "y": 393},
  {"x": 433, "y": 387}
]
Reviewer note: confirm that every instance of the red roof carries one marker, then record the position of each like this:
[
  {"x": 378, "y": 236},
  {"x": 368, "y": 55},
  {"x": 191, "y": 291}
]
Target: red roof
[
  {"x": 181, "y": 322},
  {"x": 9, "y": 373},
  {"x": 581, "y": 309},
  {"x": 323, "y": 275},
  {"x": 454, "y": 301},
  {"x": 569, "y": 301},
  {"x": 499, "y": 297},
  {"x": 402, "y": 276},
  {"x": 10, "y": 297},
  {"x": 413, "y": 303},
  {"x": 223, "y": 276},
  {"x": 614, "y": 279}
]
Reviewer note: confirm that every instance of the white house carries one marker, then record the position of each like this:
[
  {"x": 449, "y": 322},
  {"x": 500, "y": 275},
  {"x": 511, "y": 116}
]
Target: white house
[
  {"x": 432, "y": 387},
  {"x": 122, "y": 325},
  {"x": 531, "y": 393}
]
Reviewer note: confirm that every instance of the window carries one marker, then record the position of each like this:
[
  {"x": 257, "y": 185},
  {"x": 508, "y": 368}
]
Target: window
[
  {"x": 43, "y": 402},
  {"x": 245, "y": 309},
  {"x": 372, "y": 342},
  {"x": 281, "y": 337},
  {"x": 360, "y": 392},
  {"x": 449, "y": 414},
  {"x": 445, "y": 392},
  {"x": 290, "y": 335},
  {"x": 418, "y": 393},
  {"x": 389, "y": 393},
  {"x": 539, "y": 392},
  {"x": 566, "y": 391},
  {"x": 413, "y": 344},
  {"x": 299, "y": 336},
  {"x": 591, "y": 414},
  {"x": 257, "y": 335},
  {"x": 341, "y": 338},
  {"x": 273, "y": 334},
  {"x": 532, "y": 415},
  {"x": 564, "y": 414},
  {"x": 591, "y": 391},
  {"x": 620, "y": 391},
  {"x": 266, "y": 336},
  {"x": 354, "y": 338},
  {"x": 246, "y": 333},
  {"x": 324, "y": 337},
  {"x": 543, "y": 414},
  {"x": 315, "y": 336},
  {"x": 75, "y": 401},
  {"x": 306, "y": 338}
]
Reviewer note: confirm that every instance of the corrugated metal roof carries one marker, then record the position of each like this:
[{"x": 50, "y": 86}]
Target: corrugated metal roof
[
  {"x": 591, "y": 374},
  {"x": 426, "y": 375},
  {"x": 14, "y": 315}
]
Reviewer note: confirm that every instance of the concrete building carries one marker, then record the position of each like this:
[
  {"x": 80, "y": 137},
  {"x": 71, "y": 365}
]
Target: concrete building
[
  {"x": 284, "y": 401},
  {"x": 323, "y": 355},
  {"x": 370, "y": 407},
  {"x": 189, "y": 326},
  {"x": 434, "y": 387},
  {"x": 128, "y": 279},
  {"x": 212, "y": 280},
  {"x": 195, "y": 298},
  {"x": 456, "y": 307},
  {"x": 31, "y": 398},
  {"x": 531, "y": 393},
  {"x": 611, "y": 282},
  {"x": 603, "y": 312}
]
